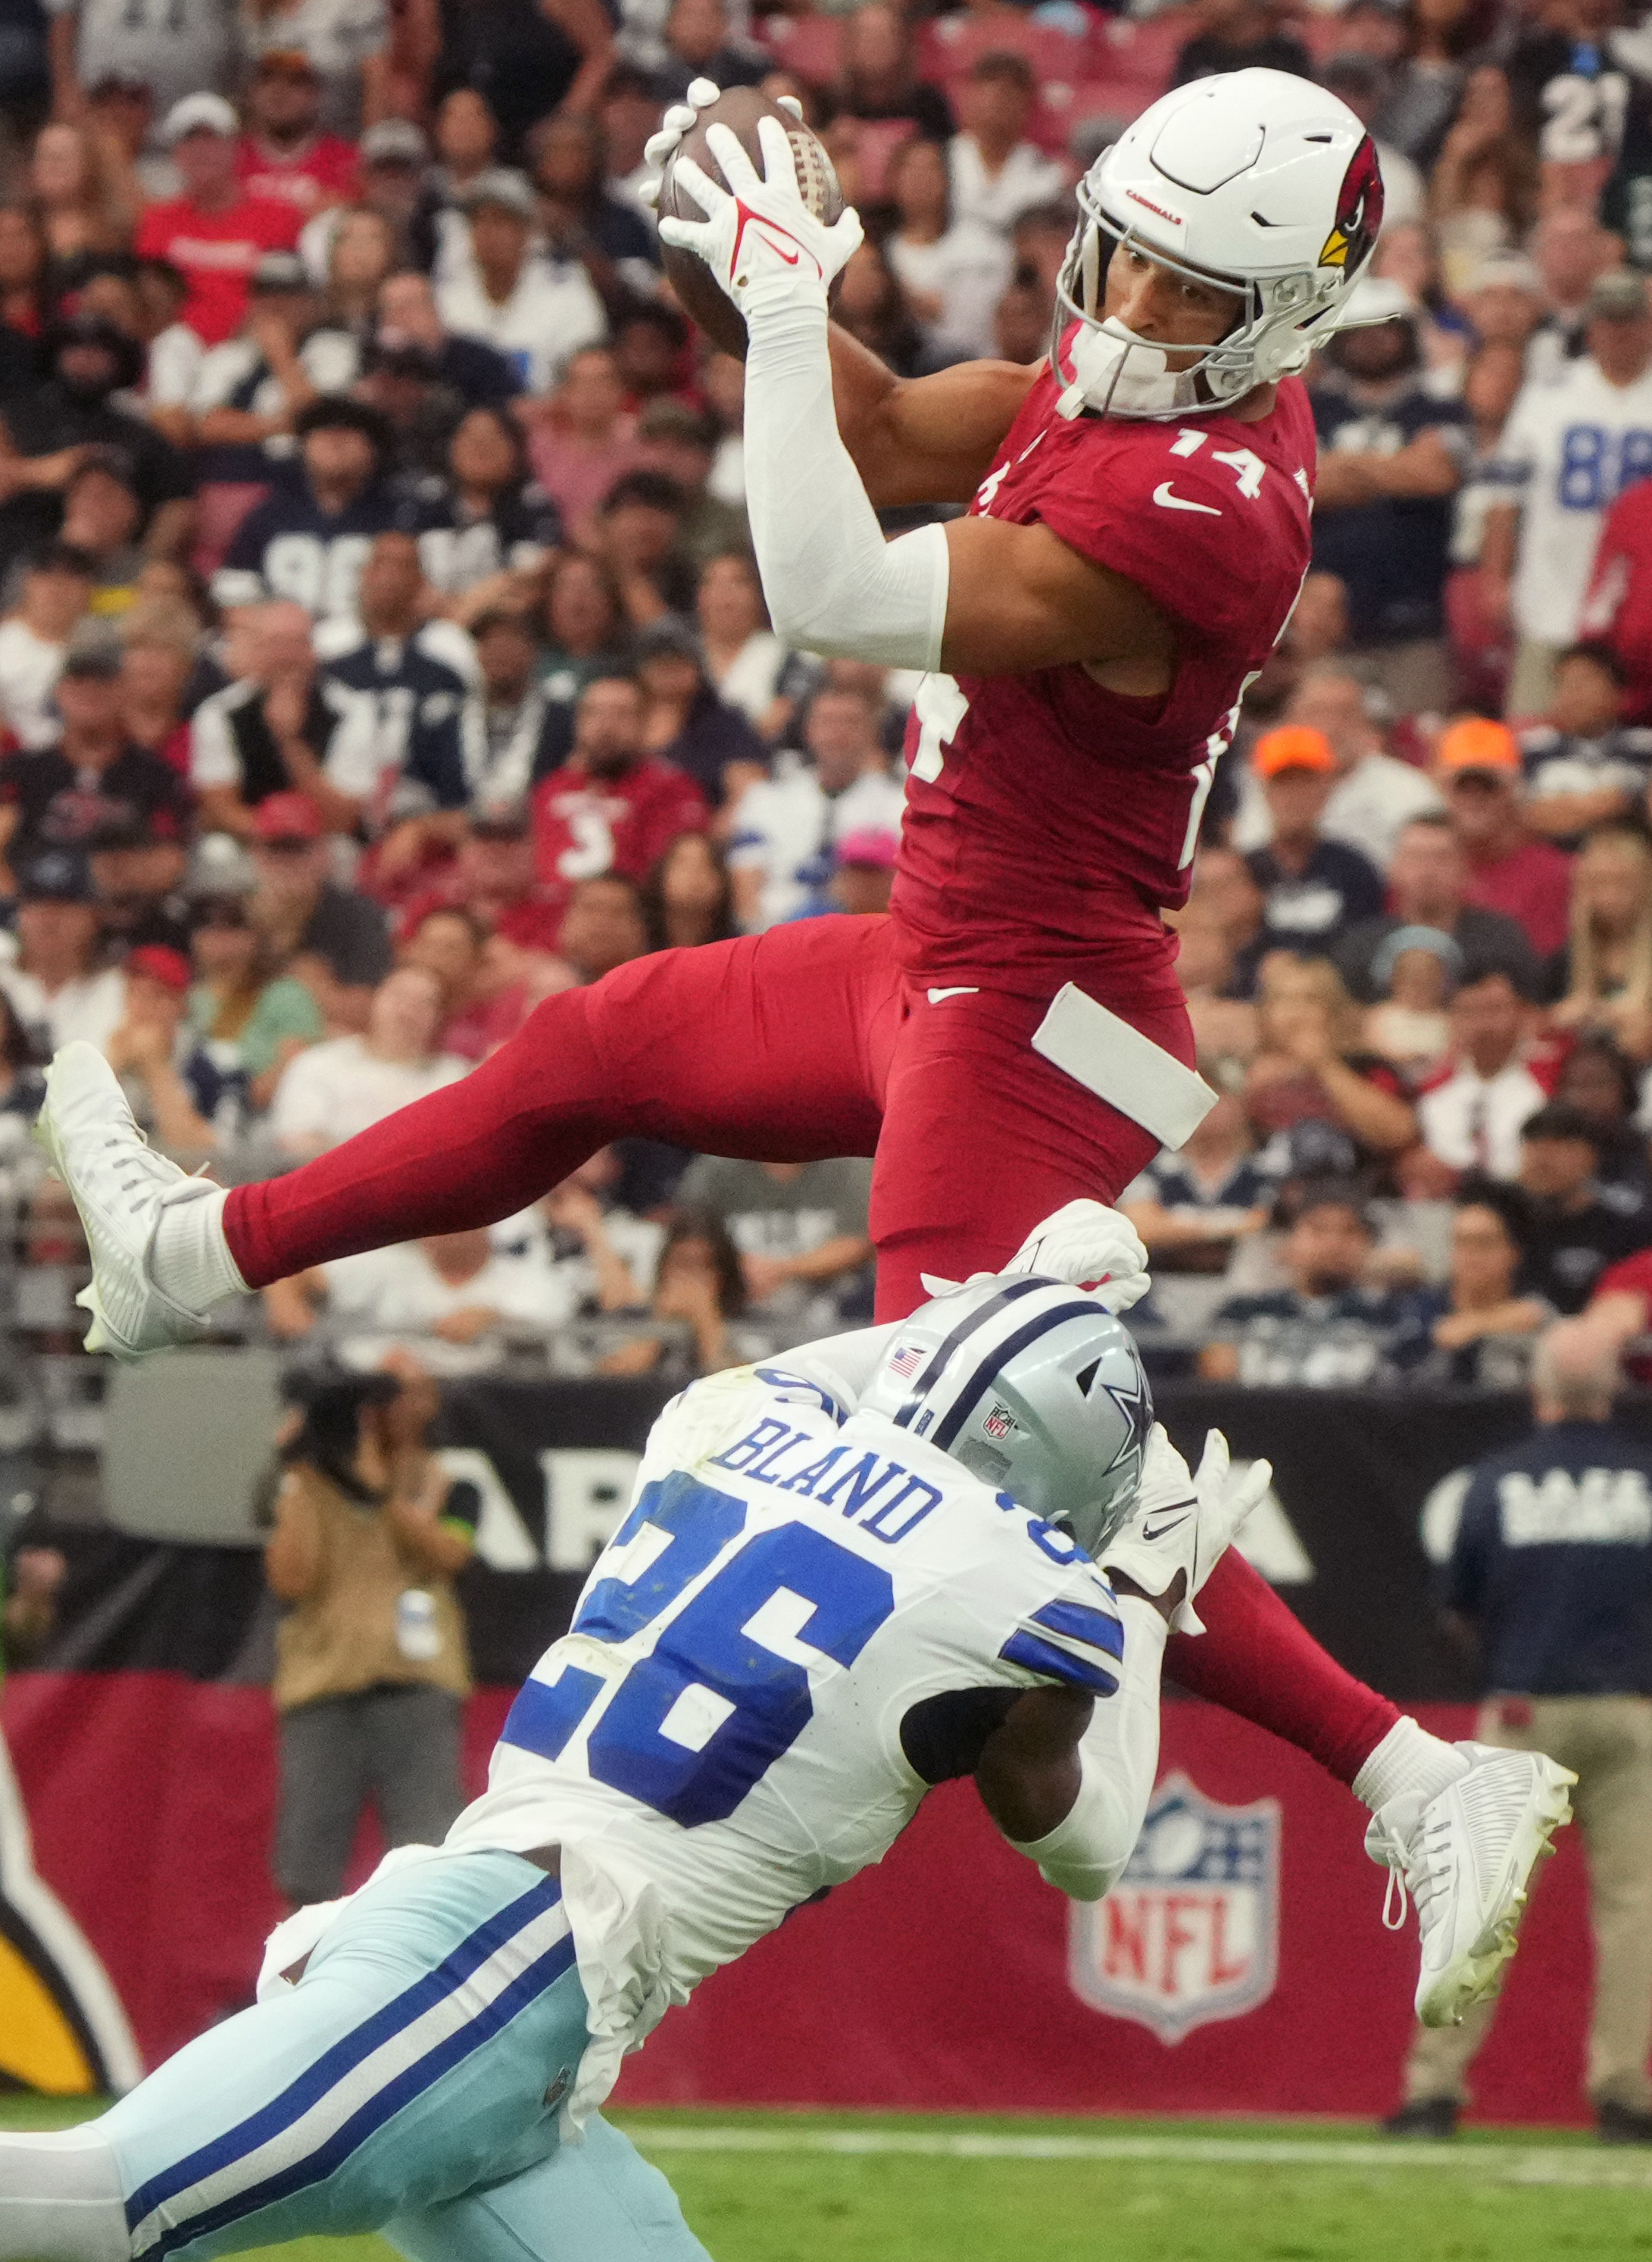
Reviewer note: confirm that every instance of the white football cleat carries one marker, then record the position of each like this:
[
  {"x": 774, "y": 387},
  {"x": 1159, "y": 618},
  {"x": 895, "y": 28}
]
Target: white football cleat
[
  {"x": 120, "y": 1186},
  {"x": 1465, "y": 1856}
]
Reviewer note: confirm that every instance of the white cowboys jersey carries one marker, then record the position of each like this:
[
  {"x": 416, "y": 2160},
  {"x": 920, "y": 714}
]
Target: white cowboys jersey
[{"x": 720, "y": 1734}]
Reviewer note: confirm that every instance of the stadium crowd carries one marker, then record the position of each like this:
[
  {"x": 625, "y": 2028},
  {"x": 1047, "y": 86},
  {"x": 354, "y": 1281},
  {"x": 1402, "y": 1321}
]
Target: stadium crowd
[{"x": 382, "y": 649}]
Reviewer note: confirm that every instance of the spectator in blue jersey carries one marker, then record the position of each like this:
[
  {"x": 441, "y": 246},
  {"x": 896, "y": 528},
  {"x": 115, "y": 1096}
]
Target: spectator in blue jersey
[
  {"x": 581, "y": 220},
  {"x": 686, "y": 722},
  {"x": 1193, "y": 1204},
  {"x": 416, "y": 699},
  {"x": 486, "y": 527},
  {"x": 1571, "y": 1227},
  {"x": 1390, "y": 460},
  {"x": 1313, "y": 889},
  {"x": 1326, "y": 1329},
  {"x": 479, "y": 376},
  {"x": 1585, "y": 765},
  {"x": 1550, "y": 1577},
  {"x": 249, "y": 391},
  {"x": 309, "y": 540},
  {"x": 1476, "y": 1330}
]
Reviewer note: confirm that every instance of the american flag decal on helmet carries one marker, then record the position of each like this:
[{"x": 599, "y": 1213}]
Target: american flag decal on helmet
[
  {"x": 906, "y": 1361},
  {"x": 1359, "y": 212}
]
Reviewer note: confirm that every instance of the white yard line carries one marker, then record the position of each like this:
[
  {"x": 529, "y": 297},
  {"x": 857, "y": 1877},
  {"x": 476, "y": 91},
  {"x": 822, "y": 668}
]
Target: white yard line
[{"x": 1488, "y": 2163}]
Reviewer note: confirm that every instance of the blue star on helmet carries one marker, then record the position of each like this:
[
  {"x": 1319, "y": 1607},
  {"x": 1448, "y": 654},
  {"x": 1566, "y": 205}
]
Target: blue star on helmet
[{"x": 1135, "y": 1404}]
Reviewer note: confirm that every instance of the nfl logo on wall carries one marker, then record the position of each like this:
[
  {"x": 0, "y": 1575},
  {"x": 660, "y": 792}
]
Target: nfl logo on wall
[{"x": 1191, "y": 1932}]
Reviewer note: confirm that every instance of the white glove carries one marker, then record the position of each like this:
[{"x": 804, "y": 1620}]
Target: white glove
[
  {"x": 680, "y": 119},
  {"x": 1183, "y": 1523},
  {"x": 1085, "y": 1243},
  {"x": 760, "y": 240}
]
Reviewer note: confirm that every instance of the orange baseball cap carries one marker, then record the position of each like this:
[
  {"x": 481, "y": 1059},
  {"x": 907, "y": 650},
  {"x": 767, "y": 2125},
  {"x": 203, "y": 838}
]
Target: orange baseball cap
[
  {"x": 1294, "y": 748},
  {"x": 1476, "y": 744}
]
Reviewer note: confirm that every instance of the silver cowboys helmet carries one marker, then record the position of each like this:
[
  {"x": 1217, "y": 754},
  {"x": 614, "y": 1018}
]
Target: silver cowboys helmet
[
  {"x": 1034, "y": 1388},
  {"x": 1257, "y": 181}
]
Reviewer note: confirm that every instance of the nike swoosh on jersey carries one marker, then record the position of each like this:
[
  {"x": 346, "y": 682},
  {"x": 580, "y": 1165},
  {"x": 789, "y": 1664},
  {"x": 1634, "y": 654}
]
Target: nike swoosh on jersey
[
  {"x": 965, "y": 989},
  {"x": 1167, "y": 501}
]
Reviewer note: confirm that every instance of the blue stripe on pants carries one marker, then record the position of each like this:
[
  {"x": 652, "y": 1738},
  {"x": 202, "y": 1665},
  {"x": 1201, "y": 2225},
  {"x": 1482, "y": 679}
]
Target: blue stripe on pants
[{"x": 458, "y": 2101}]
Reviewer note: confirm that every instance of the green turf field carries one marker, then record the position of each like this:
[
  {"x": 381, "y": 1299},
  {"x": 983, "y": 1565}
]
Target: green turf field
[{"x": 815, "y": 2188}]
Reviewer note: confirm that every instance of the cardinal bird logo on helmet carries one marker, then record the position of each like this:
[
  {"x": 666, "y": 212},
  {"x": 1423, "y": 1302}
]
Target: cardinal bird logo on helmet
[{"x": 1359, "y": 212}]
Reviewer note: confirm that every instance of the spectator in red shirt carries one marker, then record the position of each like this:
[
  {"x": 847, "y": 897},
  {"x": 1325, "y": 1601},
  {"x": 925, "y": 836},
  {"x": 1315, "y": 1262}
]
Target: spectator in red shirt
[
  {"x": 494, "y": 878},
  {"x": 1618, "y": 607},
  {"x": 283, "y": 154},
  {"x": 611, "y": 807},
  {"x": 1478, "y": 765},
  {"x": 215, "y": 232}
]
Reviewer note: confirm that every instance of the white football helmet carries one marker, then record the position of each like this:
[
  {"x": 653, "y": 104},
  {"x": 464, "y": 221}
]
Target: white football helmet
[{"x": 1256, "y": 180}]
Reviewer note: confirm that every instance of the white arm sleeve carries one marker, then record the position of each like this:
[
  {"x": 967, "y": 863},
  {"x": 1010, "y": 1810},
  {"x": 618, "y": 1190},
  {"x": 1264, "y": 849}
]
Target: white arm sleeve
[
  {"x": 834, "y": 585},
  {"x": 842, "y": 1365},
  {"x": 1084, "y": 1855}
]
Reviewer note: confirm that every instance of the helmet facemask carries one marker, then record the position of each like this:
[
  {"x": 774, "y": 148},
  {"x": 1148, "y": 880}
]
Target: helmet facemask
[{"x": 1109, "y": 369}]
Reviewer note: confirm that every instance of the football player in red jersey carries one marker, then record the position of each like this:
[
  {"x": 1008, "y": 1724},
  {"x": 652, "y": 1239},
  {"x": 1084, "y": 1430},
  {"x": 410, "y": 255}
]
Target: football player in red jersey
[{"x": 1012, "y": 1035}]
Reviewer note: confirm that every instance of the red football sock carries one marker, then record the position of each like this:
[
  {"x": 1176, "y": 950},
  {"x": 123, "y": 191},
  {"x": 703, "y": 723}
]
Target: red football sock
[{"x": 1260, "y": 1660}]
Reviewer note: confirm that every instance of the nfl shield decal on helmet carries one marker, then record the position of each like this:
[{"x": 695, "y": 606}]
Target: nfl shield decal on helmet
[{"x": 1191, "y": 1932}]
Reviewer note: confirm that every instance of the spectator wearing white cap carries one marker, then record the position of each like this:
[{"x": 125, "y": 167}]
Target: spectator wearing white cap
[
  {"x": 214, "y": 234},
  {"x": 535, "y": 310},
  {"x": 1568, "y": 451}
]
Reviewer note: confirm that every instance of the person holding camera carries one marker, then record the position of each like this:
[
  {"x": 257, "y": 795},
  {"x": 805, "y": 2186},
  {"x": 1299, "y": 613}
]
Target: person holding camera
[{"x": 372, "y": 1667}]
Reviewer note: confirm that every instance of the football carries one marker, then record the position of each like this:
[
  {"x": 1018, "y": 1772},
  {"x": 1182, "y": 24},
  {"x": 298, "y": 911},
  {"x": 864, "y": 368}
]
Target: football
[{"x": 696, "y": 287}]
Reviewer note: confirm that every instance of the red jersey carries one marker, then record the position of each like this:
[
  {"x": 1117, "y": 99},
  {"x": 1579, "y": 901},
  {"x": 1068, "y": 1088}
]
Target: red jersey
[
  {"x": 1048, "y": 820},
  {"x": 1618, "y": 606},
  {"x": 585, "y": 826},
  {"x": 218, "y": 251},
  {"x": 323, "y": 170},
  {"x": 531, "y": 921},
  {"x": 1533, "y": 884}
]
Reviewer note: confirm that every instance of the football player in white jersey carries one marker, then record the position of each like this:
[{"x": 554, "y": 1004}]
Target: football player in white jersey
[{"x": 841, "y": 1579}]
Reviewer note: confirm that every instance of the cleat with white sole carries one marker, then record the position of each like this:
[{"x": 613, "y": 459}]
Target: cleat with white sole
[
  {"x": 1467, "y": 1856},
  {"x": 120, "y": 1186}
]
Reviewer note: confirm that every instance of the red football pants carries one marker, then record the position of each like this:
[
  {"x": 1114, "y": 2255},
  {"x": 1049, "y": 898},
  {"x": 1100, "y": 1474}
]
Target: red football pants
[{"x": 804, "y": 1042}]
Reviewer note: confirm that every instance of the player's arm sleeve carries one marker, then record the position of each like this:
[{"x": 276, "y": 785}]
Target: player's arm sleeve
[
  {"x": 1084, "y": 1855},
  {"x": 838, "y": 1369},
  {"x": 834, "y": 585}
]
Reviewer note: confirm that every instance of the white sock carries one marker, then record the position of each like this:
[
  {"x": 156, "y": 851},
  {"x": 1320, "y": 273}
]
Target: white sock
[
  {"x": 189, "y": 1257},
  {"x": 1408, "y": 1759},
  {"x": 60, "y": 2199}
]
